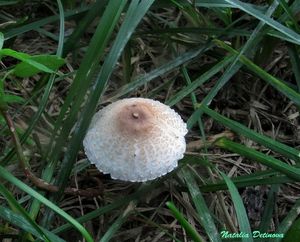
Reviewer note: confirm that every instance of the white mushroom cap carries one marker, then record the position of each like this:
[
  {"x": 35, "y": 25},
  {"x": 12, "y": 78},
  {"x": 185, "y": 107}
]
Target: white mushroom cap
[{"x": 136, "y": 139}]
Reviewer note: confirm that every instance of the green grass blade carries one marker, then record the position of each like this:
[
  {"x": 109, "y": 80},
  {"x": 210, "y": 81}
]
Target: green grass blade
[
  {"x": 269, "y": 208},
  {"x": 43, "y": 102},
  {"x": 37, "y": 24},
  {"x": 25, "y": 58},
  {"x": 130, "y": 22},
  {"x": 1, "y": 40},
  {"x": 123, "y": 201},
  {"x": 240, "y": 210},
  {"x": 279, "y": 85},
  {"x": 35, "y": 206},
  {"x": 259, "y": 138},
  {"x": 11, "y": 2},
  {"x": 85, "y": 72},
  {"x": 199, "y": 81},
  {"x": 184, "y": 223},
  {"x": 265, "y": 19},
  {"x": 163, "y": 69},
  {"x": 35, "y": 118},
  {"x": 17, "y": 207},
  {"x": 52, "y": 62},
  {"x": 61, "y": 38},
  {"x": 206, "y": 31},
  {"x": 213, "y": 4},
  {"x": 293, "y": 232},
  {"x": 278, "y": 35},
  {"x": 233, "y": 67},
  {"x": 9, "y": 177},
  {"x": 77, "y": 92},
  {"x": 278, "y": 179},
  {"x": 295, "y": 61},
  {"x": 22, "y": 223},
  {"x": 266, "y": 160},
  {"x": 93, "y": 12},
  {"x": 204, "y": 3},
  {"x": 288, "y": 221},
  {"x": 289, "y": 13},
  {"x": 202, "y": 209},
  {"x": 111, "y": 231},
  {"x": 134, "y": 15}
]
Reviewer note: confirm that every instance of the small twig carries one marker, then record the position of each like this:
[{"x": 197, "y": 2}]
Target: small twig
[
  {"x": 38, "y": 182},
  {"x": 200, "y": 144}
]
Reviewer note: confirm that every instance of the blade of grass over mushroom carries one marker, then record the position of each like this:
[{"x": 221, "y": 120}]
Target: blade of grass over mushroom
[
  {"x": 290, "y": 171},
  {"x": 17, "y": 207},
  {"x": 233, "y": 68},
  {"x": 266, "y": 19},
  {"x": 288, "y": 221},
  {"x": 190, "y": 230},
  {"x": 276, "y": 83},
  {"x": 259, "y": 138},
  {"x": 19, "y": 221},
  {"x": 240, "y": 210},
  {"x": 204, "y": 215},
  {"x": 9, "y": 177}
]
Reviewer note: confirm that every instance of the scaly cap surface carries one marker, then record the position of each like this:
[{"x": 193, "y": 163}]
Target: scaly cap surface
[{"x": 136, "y": 139}]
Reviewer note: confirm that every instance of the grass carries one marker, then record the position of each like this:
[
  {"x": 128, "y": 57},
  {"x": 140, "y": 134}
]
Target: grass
[{"x": 224, "y": 65}]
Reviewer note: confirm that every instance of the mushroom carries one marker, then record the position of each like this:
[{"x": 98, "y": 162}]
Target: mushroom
[{"x": 136, "y": 139}]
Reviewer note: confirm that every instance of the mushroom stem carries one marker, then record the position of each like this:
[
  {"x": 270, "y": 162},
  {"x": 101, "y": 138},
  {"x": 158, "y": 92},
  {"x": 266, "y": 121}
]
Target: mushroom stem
[{"x": 38, "y": 182}]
